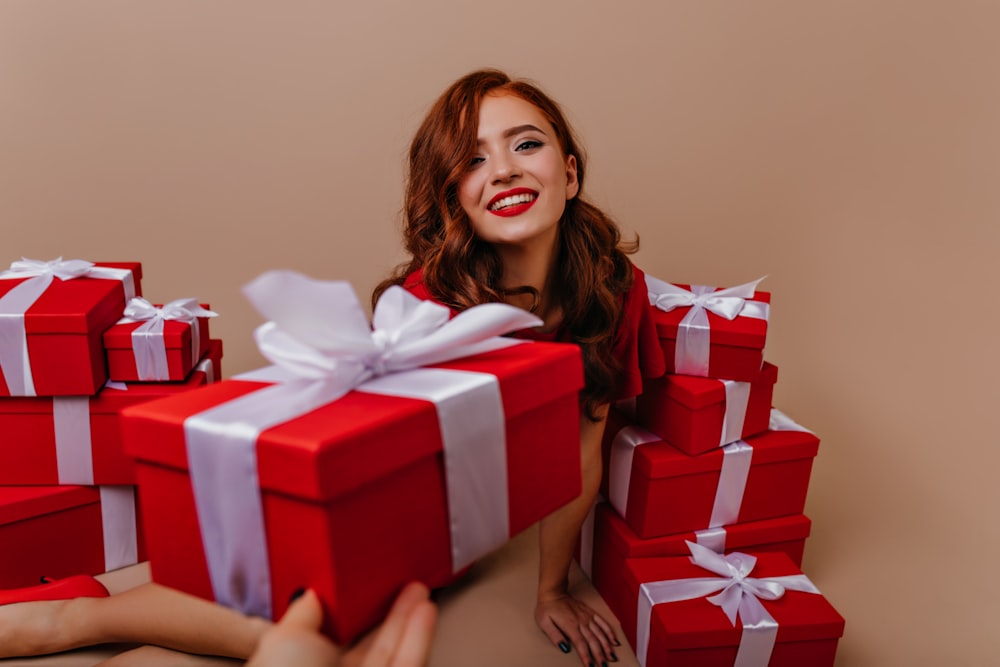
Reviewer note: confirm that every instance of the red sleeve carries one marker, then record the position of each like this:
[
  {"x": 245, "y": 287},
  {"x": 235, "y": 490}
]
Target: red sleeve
[{"x": 637, "y": 346}]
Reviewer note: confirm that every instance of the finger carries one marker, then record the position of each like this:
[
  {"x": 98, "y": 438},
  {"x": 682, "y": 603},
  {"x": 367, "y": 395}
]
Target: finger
[
  {"x": 555, "y": 635},
  {"x": 609, "y": 632},
  {"x": 418, "y": 635},
  {"x": 593, "y": 651},
  {"x": 305, "y": 613},
  {"x": 389, "y": 635},
  {"x": 598, "y": 633},
  {"x": 579, "y": 642}
]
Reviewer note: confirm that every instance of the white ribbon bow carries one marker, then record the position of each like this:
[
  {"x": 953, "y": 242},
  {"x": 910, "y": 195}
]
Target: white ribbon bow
[
  {"x": 14, "y": 361},
  {"x": 323, "y": 347},
  {"x": 736, "y": 593},
  {"x": 693, "y": 341},
  {"x": 148, "y": 345}
]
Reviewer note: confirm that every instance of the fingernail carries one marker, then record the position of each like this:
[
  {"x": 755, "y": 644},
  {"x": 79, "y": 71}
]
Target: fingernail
[
  {"x": 614, "y": 658},
  {"x": 296, "y": 594},
  {"x": 564, "y": 647},
  {"x": 617, "y": 643},
  {"x": 604, "y": 664}
]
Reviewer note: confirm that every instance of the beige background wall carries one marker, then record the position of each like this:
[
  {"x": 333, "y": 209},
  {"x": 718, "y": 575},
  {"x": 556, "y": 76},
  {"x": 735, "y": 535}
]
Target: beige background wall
[{"x": 849, "y": 150}]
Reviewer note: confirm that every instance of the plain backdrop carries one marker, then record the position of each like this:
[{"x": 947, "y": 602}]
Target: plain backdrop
[{"x": 849, "y": 150}]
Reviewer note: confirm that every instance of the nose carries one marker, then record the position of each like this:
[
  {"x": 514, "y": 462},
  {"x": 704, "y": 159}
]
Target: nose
[{"x": 504, "y": 168}]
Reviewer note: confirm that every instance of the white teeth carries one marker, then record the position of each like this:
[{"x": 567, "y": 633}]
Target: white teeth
[{"x": 512, "y": 200}]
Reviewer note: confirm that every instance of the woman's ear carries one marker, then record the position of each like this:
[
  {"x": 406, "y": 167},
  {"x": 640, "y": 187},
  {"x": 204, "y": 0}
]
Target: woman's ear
[{"x": 572, "y": 184}]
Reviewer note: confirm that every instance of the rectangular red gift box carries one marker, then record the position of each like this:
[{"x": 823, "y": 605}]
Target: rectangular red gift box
[
  {"x": 59, "y": 531},
  {"x": 354, "y": 492},
  {"x": 736, "y": 348},
  {"x": 176, "y": 337},
  {"x": 697, "y": 633},
  {"x": 672, "y": 492},
  {"x": 33, "y": 450},
  {"x": 689, "y": 412},
  {"x": 64, "y": 328},
  {"x": 614, "y": 541}
]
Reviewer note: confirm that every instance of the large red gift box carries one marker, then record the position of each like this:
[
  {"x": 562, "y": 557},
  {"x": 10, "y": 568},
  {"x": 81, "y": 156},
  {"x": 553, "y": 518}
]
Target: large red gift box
[
  {"x": 698, "y": 414},
  {"x": 36, "y": 447},
  {"x": 736, "y": 350},
  {"x": 614, "y": 541},
  {"x": 697, "y": 633},
  {"x": 665, "y": 491},
  {"x": 59, "y": 531},
  {"x": 63, "y": 327},
  {"x": 178, "y": 339},
  {"x": 353, "y": 493}
]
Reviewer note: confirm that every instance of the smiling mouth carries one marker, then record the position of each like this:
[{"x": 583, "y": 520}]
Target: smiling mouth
[{"x": 513, "y": 200}]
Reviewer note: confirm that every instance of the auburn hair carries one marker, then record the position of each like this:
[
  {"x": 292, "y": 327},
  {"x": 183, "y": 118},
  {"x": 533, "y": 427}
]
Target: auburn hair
[{"x": 460, "y": 270}]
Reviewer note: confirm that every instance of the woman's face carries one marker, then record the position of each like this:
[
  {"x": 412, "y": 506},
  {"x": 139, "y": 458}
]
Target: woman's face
[{"x": 516, "y": 186}]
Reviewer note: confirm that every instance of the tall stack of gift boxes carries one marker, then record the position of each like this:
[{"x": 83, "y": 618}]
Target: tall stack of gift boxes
[
  {"x": 78, "y": 345},
  {"x": 701, "y": 463}
]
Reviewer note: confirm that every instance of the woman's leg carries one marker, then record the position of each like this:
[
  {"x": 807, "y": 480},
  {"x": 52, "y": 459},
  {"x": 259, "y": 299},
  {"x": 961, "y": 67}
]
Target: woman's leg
[
  {"x": 154, "y": 656},
  {"x": 147, "y": 614}
]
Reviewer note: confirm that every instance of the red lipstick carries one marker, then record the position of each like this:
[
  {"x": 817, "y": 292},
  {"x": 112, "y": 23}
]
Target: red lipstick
[{"x": 515, "y": 209}]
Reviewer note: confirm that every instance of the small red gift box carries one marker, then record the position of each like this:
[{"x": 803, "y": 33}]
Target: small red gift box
[
  {"x": 711, "y": 332},
  {"x": 59, "y": 531},
  {"x": 354, "y": 494},
  {"x": 59, "y": 324},
  {"x": 660, "y": 490},
  {"x": 77, "y": 439},
  {"x": 165, "y": 353},
  {"x": 698, "y": 414},
  {"x": 666, "y": 611},
  {"x": 614, "y": 541}
]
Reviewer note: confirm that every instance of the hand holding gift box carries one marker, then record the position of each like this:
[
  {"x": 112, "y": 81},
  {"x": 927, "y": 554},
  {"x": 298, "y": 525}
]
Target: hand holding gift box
[
  {"x": 710, "y": 332},
  {"x": 326, "y": 470},
  {"x": 52, "y": 315},
  {"x": 157, "y": 343}
]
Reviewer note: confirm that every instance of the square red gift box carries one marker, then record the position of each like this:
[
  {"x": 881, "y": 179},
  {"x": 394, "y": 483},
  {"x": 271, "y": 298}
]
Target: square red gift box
[
  {"x": 660, "y": 490},
  {"x": 59, "y": 531},
  {"x": 614, "y": 541},
  {"x": 157, "y": 343},
  {"x": 54, "y": 316},
  {"x": 698, "y": 414},
  {"x": 355, "y": 496},
  {"x": 711, "y": 332},
  {"x": 77, "y": 439},
  {"x": 769, "y": 614}
]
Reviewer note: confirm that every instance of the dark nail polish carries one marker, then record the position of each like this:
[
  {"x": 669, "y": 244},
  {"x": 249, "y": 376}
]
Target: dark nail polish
[
  {"x": 617, "y": 643},
  {"x": 564, "y": 647},
  {"x": 604, "y": 664},
  {"x": 296, "y": 594},
  {"x": 614, "y": 658}
]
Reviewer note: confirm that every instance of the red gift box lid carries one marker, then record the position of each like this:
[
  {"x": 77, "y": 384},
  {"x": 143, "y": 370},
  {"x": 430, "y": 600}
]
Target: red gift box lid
[
  {"x": 657, "y": 460},
  {"x": 738, "y": 332},
  {"x": 698, "y": 392},
  {"x": 360, "y": 437},
  {"x": 175, "y": 334},
  {"x": 109, "y": 400},
  {"x": 738, "y": 535},
  {"x": 18, "y": 503},
  {"x": 78, "y": 305},
  {"x": 697, "y": 623}
]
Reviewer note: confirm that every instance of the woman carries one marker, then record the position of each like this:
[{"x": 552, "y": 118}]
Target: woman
[{"x": 494, "y": 212}]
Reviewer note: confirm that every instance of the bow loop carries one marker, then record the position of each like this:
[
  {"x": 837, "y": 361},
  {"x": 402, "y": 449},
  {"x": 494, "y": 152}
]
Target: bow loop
[
  {"x": 64, "y": 270},
  {"x": 727, "y": 303}
]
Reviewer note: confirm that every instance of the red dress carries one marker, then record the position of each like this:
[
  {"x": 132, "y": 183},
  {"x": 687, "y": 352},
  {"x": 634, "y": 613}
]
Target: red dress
[{"x": 636, "y": 345}]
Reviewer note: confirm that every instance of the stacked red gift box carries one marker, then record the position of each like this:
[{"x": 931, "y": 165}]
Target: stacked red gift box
[
  {"x": 701, "y": 463},
  {"x": 78, "y": 345}
]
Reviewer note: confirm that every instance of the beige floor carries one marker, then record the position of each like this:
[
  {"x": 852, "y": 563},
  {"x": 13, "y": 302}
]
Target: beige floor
[{"x": 485, "y": 620}]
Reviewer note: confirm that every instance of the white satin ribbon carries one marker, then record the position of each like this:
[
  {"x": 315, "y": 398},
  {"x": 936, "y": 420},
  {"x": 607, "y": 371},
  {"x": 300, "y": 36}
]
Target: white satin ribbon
[
  {"x": 781, "y": 422},
  {"x": 736, "y": 459},
  {"x": 148, "y": 344},
  {"x": 738, "y": 595},
  {"x": 691, "y": 354},
  {"x": 620, "y": 465},
  {"x": 121, "y": 542},
  {"x": 207, "y": 366},
  {"x": 712, "y": 538},
  {"x": 734, "y": 417},
  {"x": 15, "y": 365},
  {"x": 74, "y": 453},
  {"x": 323, "y": 347}
]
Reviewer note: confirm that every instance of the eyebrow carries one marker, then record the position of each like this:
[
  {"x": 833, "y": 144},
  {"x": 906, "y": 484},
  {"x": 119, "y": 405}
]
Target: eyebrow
[{"x": 527, "y": 127}]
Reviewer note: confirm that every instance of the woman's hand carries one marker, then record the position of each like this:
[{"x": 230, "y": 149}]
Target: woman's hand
[
  {"x": 403, "y": 639},
  {"x": 568, "y": 622}
]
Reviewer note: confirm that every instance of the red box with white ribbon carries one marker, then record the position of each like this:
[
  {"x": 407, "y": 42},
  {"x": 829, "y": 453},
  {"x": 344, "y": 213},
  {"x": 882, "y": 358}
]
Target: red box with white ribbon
[
  {"x": 660, "y": 490},
  {"x": 698, "y": 414},
  {"x": 54, "y": 314},
  {"x": 77, "y": 439},
  {"x": 157, "y": 343},
  {"x": 614, "y": 541},
  {"x": 355, "y": 497},
  {"x": 770, "y": 614},
  {"x": 59, "y": 531},
  {"x": 711, "y": 332}
]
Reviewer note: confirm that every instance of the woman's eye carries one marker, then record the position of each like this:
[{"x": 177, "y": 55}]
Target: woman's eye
[
  {"x": 475, "y": 161},
  {"x": 528, "y": 144}
]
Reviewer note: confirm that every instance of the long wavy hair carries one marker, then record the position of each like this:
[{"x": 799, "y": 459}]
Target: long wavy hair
[{"x": 460, "y": 270}]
